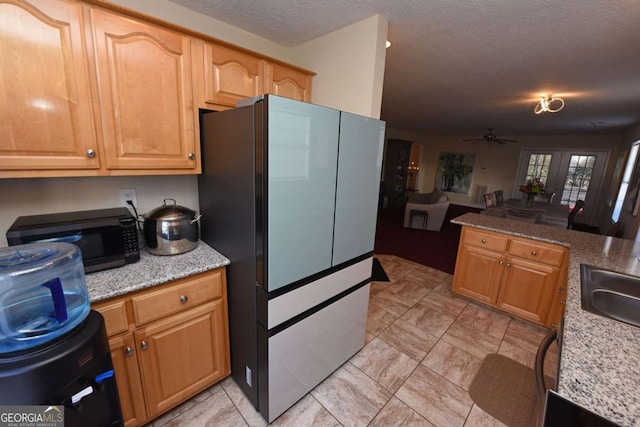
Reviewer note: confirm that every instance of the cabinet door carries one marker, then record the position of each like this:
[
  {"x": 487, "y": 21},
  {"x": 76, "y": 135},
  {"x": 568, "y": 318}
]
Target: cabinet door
[
  {"x": 230, "y": 75},
  {"x": 46, "y": 115},
  {"x": 183, "y": 354},
  {"x": 146, "y": 101},
  {"x": 358, "y": 188},
  {"x": 287, "y": 82},
  {"x": 478, "y": 273},
  {"x": 527, "y": 289},
  {"x": 125, "y": 365}
]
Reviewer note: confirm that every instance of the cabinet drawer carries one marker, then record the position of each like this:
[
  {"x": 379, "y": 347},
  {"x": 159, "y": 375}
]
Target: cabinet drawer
[
  {"x": 485, "y": 240},
  {"x": 115, "y": 317},
  {"x": 184, "y": 294},
  {"x": 537, "y": 251}
]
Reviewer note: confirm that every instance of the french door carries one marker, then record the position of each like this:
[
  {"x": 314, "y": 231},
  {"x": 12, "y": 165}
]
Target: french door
[{"x": 571, "y": 174}]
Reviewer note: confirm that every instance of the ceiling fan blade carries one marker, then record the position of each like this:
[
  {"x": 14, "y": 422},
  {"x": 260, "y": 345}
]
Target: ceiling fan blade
[
  {"x": 505, "y": 140},
  {"x": 473, "y": 140}
]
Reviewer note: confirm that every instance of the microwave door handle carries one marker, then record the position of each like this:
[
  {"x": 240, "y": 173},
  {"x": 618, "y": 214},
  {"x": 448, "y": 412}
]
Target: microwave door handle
[{"x": 72, "y": 238}]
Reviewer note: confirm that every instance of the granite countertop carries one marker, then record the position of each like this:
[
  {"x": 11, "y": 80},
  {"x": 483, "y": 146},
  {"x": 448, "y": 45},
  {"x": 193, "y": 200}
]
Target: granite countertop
[
  {"x": 600, "y": 357},
  {"x": 152, "y": 270}
]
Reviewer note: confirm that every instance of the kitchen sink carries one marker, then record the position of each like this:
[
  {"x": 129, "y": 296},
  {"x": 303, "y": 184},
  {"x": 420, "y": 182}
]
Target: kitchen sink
[{"x": 610, "y": 294}]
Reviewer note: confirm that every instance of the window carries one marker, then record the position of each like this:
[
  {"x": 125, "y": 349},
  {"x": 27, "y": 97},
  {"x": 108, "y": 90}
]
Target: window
[
  {"x": 578, "y": 179},
  {"x": 626, "y": 179},
  {"x": 538, "y": 167}
]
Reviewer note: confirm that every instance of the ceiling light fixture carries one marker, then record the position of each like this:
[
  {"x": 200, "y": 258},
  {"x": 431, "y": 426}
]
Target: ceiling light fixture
[{"x": 549, "y": 104}]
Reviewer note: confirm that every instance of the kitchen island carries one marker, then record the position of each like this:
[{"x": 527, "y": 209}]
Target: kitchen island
[{"x": 600, "y": 357}]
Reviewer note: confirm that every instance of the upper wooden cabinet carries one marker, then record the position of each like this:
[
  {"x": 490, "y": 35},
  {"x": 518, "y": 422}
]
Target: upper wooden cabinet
[
  {"x": 223, "y": 75},
  {"x": 287, "y": 82},
  {"x": 46, "y": 113},
  {"x": 146, "y": 100},
  {"x": 90, "y": 88},
  {"x": 230, "y": 75}
]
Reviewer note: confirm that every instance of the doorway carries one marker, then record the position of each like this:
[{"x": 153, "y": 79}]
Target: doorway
[{"x": 571, "y": 174}]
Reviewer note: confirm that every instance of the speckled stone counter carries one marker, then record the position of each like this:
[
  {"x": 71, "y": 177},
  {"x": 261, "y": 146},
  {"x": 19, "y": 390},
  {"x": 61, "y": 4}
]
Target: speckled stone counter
[
  {"x": 600, "y": 357},
  {"x": 152, "y": 270}
]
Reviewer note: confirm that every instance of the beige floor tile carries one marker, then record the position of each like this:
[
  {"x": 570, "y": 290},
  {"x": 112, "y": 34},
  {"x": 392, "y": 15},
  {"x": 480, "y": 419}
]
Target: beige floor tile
[
  {"x": 377, "y": 287},
  {"x": 479, "y": 418},
  {"x": 397, "y": 267},
  {"x": 216, "y": 410},
  {"x": 246, "y": 409},
  {"x": 352, "y": 397},
  {"x": 517, "y": 353},
  {"x": 391, "y": 301},
  {"x": 368, "y": 337},
  {"x": 524, "y": 335},
  {"x": 384, "y": 363},
  {"x": 485, "y": 320},
  {"x": 396, "y": 413},
  {"x": 378, "y": 319},
  {"x": 410, "y": 289},
  {"x": 174, "y": 413},
  {"x": 307, "y": 412},
  {"x": 435, "y": 398},
  {"x": 454, "y": 364},
  {"x": 409, "y": 339},
  {"x": 471, "y": 340},
  {"x": 427, "y": 276},
  {"x": 450, "y": 305},
  {"x": 428, "y": 319}
]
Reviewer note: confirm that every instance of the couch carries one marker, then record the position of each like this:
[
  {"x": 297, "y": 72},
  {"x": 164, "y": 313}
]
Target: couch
[{"x": 426, "y": 211}]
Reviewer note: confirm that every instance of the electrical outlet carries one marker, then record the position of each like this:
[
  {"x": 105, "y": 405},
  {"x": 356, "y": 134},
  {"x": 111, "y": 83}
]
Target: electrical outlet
[{"x": 128, "y": 194}]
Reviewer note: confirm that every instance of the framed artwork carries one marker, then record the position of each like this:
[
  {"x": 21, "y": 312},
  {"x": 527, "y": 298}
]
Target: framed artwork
[{"x": 454, "y": 172}]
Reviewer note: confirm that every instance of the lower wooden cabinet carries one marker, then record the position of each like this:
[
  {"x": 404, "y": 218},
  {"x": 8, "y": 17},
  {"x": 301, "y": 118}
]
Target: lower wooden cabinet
[
  {"x": 523, "y": 277},
  {"x": 169, "y": 354}
]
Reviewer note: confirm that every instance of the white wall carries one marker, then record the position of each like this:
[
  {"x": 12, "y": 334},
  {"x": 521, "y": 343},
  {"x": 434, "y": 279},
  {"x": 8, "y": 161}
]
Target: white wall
[
  {"x": 350, "y": 66},
  {"x": 48, "y": 195}
]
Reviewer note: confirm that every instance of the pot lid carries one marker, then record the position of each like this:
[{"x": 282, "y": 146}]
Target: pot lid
[{"x": 170, "y": 211}]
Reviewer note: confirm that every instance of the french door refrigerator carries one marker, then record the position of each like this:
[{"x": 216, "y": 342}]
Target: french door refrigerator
[{"x": 289, "y": 193}]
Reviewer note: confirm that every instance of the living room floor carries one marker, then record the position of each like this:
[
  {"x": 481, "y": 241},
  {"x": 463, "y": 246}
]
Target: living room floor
[{"x": 423, "y": 348}]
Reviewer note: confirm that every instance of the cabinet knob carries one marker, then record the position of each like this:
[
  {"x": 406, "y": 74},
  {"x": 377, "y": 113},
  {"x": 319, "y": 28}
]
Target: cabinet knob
[
  {"x": 562, "y": 302},
  {"x": 128, "y": 351},
  {"x": 191, "y": 156},
  {"x": 184, "y": 299},
  {"x": 534, "y": 253},
  {"x": 508, "y": 265},
  {"x": 144, "y": 345},
  {"x": 91, "y": 153},
  {"x": 501, "y": 262},
  {"x": 484, "y": 240}
]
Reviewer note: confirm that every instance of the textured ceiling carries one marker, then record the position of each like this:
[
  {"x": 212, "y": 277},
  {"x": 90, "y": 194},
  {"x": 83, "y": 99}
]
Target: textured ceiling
[{"x": 457, "y": 67}]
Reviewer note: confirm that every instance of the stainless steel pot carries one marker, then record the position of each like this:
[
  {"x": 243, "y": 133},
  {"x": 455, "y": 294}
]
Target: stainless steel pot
[{"x": 171, "y": 229}]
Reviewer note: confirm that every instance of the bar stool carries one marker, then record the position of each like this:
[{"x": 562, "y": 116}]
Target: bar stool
[{"x": 418, "y": 214}]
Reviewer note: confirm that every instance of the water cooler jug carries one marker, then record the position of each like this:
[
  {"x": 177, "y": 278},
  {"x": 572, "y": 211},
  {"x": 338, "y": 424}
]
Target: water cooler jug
[{"x": 53, "y": 348}]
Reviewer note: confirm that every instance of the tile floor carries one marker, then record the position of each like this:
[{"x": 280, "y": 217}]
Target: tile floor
[{"x": 423, "y": 349}]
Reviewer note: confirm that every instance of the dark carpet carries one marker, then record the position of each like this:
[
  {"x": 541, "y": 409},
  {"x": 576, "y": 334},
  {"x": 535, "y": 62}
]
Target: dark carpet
[
  {"x": 436, "y": 249},
  {"x": 378, "y": 274}
]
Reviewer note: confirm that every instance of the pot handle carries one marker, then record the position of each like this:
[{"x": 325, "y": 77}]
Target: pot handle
[
  {"x": 197, "y": 218},
  {"x": 164, "y": 202}
]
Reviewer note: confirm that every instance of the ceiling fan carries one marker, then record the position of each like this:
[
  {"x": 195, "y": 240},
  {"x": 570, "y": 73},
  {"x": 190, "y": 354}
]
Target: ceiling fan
[{"x": 489, "y": 138}]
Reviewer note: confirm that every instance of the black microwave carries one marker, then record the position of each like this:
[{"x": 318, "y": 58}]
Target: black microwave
[{"x": 107, "y": 238}]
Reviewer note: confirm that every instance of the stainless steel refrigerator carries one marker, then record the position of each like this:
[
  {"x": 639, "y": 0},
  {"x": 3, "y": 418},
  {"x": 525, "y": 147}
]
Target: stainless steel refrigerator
[{"x": 289, "y": 193}]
